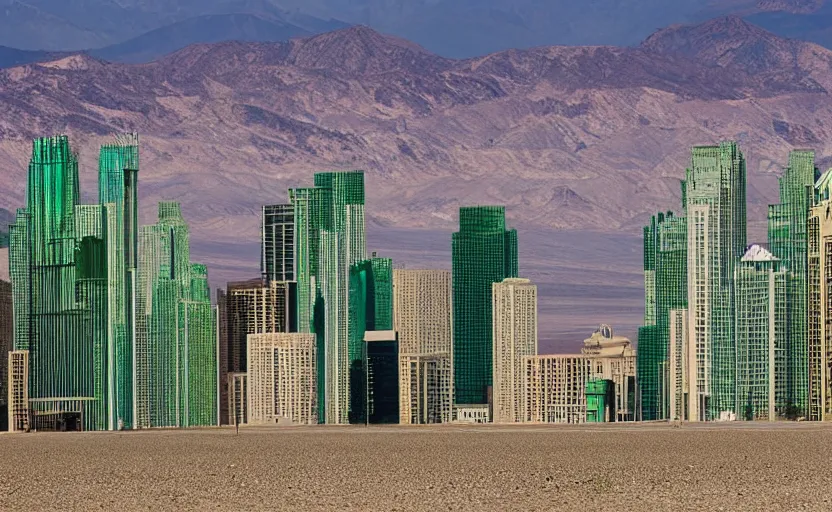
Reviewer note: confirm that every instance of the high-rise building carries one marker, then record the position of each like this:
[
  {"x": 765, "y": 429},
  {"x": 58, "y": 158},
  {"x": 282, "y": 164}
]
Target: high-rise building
[
  {"x": 422, "y": 318},
  {"x": 484, "y": 252},
  {"x": 681, "y": 362},
  {"x": 330, "y": 238},
  {"x": 665, "y": 289},
  {"x": 250, "y": 307},
  {"x": 370, "y": 309},
  {"x": 762, "y": 331},
  {"x": 281, "y": 379},
  {"x": 6, "y": 345},
  {"x": 555, "y": 385},
  {"x": 118, "y": 168},
  {"x": 58, "y": 287},
  {"x": 311, "y": 206},
  {"x": 787, "y": 237},
  {"x": 225, "y": 402},
  {"x": 515, "y": 337},
  {"x": 177, "y": 344},
  {"x": 257, "y": 307},
  {"x": 277, "y": 259},
  {"x": 714, "y": 195},
  {"x": 819, "y": 297}
]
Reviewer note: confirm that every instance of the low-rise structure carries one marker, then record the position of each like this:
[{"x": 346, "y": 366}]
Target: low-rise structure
[{"x": 555, "y": 385}]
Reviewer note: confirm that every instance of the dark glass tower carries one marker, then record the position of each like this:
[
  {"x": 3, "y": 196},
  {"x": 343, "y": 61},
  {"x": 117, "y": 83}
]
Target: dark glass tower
[
  {"x": 277, "y": 245},
  {"x": 484, "y": 252}
]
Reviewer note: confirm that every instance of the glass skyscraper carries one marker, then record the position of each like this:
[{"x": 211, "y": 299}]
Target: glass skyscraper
[
  {"x": 665, "y": 289},
  {"x": 788, "y": 239},
  {"x": 716, "y": 211},
  {"x": 330, "y": 238},
  {"x": 118, "y": 167},
  {"x": 483, "y": 252},
  {"x": 58, "y": 270},
  {"x": 178, "y": 353}
]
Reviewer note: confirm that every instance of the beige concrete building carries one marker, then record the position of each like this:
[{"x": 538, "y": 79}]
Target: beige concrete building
[
  {"x": 282, "y": 378},
  {"x": 514, "y": 306},
  {"x": 18, "y": 375},
  {"x": 681, "y": 365},
  {"x": 555, "y": 388},
  {"x": 555, "y": 385},
  {"x": 422, "y": 315},
  {"x": 820, "y": 317}
]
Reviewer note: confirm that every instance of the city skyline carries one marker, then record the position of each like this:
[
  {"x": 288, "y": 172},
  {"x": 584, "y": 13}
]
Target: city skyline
[{"x": 725, "y": 334}]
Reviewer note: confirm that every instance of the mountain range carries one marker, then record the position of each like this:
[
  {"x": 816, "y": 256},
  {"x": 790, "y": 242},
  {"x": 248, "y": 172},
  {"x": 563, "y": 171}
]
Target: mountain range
[
  {"x": 582, "y": 144},
  {"x": 143, "y": 30}
]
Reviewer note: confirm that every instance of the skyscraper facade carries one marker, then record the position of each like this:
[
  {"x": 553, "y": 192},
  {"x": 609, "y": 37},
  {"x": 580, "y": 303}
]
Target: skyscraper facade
[
  {"x": 762, "y": 333},
  {"x": 665, "y": 288},
  {"x": 256, "y": 307},
  {"x": 281, "y": 379},
  {"x": 58, "y": 283},
  {"x": 18, "y": 379},
  {"x": 819, "y": 295},
  {"x": 422, "y": 313},
  {"x": 788, "y": 239},
  {"x": 330, "y": 238},
  {"x": 381, "y": 356},
  {"x": 226, "y": 404},
  {"x": 118, "y": 168},
  {"x": 614, "y": 361},
  {"x": 277, "y": 259},
  {"x": 716, "y": 213},
  {"x": 515, "y": 337},
  {"x": 370, "y": 309},
  {"x": 483, "y": 252},
  {"x": 681, "y": 362},
  {"x": 6, "y": 345},
  {"x": 177, "y": 353}
]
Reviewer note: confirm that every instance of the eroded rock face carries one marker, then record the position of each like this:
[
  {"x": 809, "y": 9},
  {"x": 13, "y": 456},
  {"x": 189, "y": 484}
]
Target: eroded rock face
[{"x": 586, "y": 138}]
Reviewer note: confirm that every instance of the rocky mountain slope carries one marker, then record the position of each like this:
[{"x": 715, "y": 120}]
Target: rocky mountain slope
[{"x": 588, "y": 140}]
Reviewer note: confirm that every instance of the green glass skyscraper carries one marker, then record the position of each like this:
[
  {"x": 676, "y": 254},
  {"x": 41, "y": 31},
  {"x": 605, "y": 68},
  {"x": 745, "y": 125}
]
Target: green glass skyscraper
[
  {"x": 762, "y": 332},
  {"x": 787, "y": 237},
  {"x": 371, "y": 309},
  {"x": 330, "y": 238},
  {"x": 484, "y": 252},
  {"x": 716, "y": 213},
  {"x": 58, "y": 271},
  {"x": 665, "y": 289},
  {"x": 177, "y": 342},
  {"x": 118, "y": 167}
]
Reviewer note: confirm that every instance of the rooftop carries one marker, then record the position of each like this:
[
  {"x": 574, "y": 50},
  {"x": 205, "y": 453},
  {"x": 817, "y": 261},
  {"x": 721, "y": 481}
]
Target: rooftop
[{"x": 758, "y": 253}]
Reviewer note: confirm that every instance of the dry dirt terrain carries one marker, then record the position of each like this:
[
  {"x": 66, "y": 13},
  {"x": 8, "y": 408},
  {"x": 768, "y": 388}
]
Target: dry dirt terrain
[{"x": 612, "y": 467}]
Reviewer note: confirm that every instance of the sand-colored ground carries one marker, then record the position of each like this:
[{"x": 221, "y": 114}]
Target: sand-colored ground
[{"x": 784, "y": 467}]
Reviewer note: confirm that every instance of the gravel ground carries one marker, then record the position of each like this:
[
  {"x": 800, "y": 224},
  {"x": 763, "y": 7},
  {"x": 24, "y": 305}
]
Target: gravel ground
[{"x": 616, "y": 467}]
